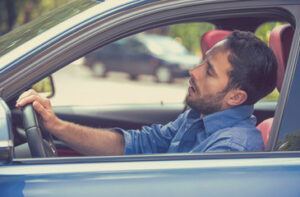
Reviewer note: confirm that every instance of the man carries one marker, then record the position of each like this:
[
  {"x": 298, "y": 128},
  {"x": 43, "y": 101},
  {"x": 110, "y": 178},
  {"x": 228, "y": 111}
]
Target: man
[{"x": 235, "y": 74}]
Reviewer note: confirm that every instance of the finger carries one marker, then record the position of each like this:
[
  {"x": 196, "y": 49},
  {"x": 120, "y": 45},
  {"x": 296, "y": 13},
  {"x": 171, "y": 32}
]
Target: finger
[
  {"x": 40, "y": 109},
  {"x": 30, "y": 99},
  {"x": 27, "y": 93}
]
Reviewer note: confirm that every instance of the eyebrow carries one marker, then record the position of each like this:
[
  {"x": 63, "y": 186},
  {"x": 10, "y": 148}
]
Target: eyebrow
[{"x": 211, "y": 67}]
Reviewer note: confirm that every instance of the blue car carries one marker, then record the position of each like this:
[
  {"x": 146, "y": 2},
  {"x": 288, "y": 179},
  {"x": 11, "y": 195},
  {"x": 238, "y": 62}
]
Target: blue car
[
  {"x": 145, "y": 54},
  {"x": 49, "y": 44}
]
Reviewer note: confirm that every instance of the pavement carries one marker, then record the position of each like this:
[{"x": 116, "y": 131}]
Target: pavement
[{"x": 75, "y": 85}]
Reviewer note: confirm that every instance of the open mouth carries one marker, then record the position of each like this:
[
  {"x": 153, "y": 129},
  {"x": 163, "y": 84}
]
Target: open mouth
[{"x": 192, "y": 90}]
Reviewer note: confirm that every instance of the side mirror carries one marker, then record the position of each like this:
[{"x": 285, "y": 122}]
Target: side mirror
[{"x": 45, "y": 86}]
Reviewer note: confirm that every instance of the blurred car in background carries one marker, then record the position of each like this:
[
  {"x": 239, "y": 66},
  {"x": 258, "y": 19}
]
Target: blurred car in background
[{"x": 143, "y": 54}]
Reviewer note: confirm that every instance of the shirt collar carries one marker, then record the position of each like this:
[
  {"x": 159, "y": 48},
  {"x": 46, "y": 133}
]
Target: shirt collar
[{"x": 226, "y": 118}]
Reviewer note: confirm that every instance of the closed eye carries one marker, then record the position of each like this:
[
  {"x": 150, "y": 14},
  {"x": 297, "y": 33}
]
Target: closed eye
[{"x": 210, "y": 70}]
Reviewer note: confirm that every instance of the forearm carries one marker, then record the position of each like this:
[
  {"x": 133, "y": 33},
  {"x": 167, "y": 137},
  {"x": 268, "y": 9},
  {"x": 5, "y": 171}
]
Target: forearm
[
  {"x": 90, "y": 141},
  {"x": 86, "y": 140}
]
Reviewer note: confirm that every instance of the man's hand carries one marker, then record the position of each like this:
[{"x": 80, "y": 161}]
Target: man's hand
[
  {"x": 42, "y": 106},
  {"x": 89, "y": 141}
]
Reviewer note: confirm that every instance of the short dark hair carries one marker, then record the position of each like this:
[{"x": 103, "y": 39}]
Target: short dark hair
[{"x": 254, "y": 66}]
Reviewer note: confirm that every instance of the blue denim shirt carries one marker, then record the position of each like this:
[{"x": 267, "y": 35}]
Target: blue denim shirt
[{"x": 229, "y": 130}]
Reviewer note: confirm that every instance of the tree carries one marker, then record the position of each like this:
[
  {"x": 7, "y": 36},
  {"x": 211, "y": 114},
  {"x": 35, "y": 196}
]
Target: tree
[
  {"x": 18, "y": 12},
  {"x": 7, "y": 16},
  {"x": 189, "y": 34}
]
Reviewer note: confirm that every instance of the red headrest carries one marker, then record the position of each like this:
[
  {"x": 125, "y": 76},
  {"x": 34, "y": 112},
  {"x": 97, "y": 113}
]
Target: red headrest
[
  {"x": 209, "y": 39},
  {"x": 280, "y": 42}
]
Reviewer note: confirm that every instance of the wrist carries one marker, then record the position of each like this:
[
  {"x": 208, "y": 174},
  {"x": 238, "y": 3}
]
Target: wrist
[{"x": 57, "y": 126}]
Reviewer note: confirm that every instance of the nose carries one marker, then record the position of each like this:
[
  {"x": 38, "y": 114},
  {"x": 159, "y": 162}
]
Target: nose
[{"x": 195, "y": 72}]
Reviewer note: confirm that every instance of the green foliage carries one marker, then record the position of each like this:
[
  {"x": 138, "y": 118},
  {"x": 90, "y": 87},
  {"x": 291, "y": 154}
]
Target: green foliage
[
  {"x": 37, "y": 8},
  {"x": 273, "y": 96},
  {"x": 14, "y": 13},
  {"x": 42, "y": 24},
  {"x": 43, "y": 85},
  {"x": 189, "y": 34},
  {"x": 263, "y": 31}
]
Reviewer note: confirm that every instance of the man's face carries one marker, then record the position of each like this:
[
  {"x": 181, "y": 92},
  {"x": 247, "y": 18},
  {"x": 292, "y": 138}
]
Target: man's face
[{"x": 208, "y": 83}]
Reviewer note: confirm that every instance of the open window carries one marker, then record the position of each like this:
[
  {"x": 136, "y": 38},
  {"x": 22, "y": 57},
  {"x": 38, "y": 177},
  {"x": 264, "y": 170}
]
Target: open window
[{"x": 141, "y": 77}]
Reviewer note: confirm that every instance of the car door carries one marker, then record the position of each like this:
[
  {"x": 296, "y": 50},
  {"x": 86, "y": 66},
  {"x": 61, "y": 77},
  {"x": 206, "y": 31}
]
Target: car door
[{"x": 175, "y": 175}]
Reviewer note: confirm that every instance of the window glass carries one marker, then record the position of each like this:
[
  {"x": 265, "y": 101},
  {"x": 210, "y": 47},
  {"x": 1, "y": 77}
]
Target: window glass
[{"x": 289, "y": 132}]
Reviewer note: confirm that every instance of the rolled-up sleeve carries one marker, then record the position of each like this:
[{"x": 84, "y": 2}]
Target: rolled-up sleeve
[{"x": 150, "y": 139}]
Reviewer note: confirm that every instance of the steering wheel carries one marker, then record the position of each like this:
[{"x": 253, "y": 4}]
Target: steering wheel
[{"x": 39, "y": 140}]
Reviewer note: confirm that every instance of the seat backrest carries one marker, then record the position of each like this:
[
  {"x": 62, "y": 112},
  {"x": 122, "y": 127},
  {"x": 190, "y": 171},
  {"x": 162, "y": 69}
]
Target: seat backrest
[
  {"x": 209, "y": 39},
  {"x": 265, "y": 128},
  {"x": 280, "y": 42}
]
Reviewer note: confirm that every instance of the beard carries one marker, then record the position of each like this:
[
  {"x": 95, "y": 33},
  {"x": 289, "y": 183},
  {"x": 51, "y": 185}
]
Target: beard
[{"x": 207, "y": 104}]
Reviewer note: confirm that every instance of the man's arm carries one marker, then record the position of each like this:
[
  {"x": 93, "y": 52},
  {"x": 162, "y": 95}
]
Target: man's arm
[{"x": 90, "y": 141}]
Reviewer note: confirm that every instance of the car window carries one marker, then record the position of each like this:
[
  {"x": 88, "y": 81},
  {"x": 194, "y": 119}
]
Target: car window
[
  {"x": 288, "y": 138},
  {"x": 158, "y": 77},
  {"x": 179, "y": 39},
  {"x": 146, "y": 68}
]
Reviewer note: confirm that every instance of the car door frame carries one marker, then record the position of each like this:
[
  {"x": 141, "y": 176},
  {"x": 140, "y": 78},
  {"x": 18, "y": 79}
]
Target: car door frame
[{"x": 50, "y": 59}]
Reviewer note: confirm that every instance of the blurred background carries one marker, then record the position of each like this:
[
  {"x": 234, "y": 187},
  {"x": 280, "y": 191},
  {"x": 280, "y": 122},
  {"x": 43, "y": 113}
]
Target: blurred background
[{"x": 14, "y": 13}]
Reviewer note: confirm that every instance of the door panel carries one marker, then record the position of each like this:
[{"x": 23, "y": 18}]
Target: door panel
[
  {"x": 123, "y": 116},
  {"x": 216, "y": 177},
  {"x": 135, "y": 116}
]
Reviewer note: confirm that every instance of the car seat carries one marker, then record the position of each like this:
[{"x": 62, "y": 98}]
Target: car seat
[
  {"x": 209, "y": 39},
  {"x": 280, "y": 43}
]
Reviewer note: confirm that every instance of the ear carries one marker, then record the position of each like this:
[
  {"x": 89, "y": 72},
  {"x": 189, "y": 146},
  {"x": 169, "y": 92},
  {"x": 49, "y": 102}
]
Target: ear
[{"x": 236, "y": 97}]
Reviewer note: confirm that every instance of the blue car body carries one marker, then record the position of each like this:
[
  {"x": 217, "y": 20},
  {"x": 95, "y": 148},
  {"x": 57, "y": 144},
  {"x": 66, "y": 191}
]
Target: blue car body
[
  {"x": 275, "y": 172},
  {"x": 212, "y": 177}
]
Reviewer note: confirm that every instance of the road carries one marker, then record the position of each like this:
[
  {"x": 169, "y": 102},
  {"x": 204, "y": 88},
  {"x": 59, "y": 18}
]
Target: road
[{"x": 75, "y": 85}]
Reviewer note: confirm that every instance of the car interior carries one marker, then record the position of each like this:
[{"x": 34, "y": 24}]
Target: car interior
[{"x": 134, "y": 116}]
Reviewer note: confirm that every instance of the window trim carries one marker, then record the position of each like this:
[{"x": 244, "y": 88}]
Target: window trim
[{"x": 158, "y": 157}]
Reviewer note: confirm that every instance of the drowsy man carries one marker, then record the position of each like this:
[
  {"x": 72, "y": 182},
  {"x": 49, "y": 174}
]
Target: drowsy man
[{"x": 235, "y": 74}]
